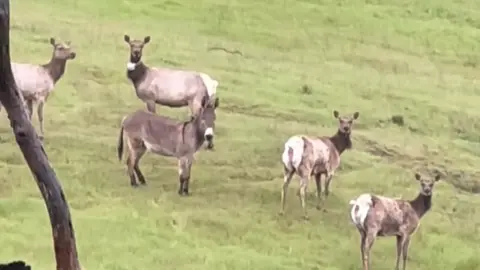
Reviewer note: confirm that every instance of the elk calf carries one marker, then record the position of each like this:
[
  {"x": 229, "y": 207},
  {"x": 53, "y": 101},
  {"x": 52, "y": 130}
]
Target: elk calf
[
  {"x": 36, "y": 82},
  {"x": 146, "y": 131},
  {"x": 164, "y": 86},
  {"x": 313, "y": 156},
  {"x": 375, "y": 215}
]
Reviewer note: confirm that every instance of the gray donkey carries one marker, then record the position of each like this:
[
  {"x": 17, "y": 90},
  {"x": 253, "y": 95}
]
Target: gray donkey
[
  {"x": 36, "y": 82},
  {"x": 313, "y": 156},
  {"x": 164, "y": 86},
  {"x": 146, "y": 131}
]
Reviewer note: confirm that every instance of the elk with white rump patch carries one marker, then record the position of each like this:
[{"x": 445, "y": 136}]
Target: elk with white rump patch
[
  {"x": 146, "y": 131},
  {"x": 164, "y": 86},
  {"x": 313, "y": 156},
  {"x": 375, "y": 215},
  {"x": 36, "y": 82}
]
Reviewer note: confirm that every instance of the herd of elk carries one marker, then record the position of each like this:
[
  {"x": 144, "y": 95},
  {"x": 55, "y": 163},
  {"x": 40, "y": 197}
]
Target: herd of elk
[{"x": 303, "y": 155}]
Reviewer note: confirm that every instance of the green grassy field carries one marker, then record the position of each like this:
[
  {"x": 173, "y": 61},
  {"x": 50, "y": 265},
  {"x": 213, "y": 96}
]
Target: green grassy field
[{"x": 417, "y": 59}]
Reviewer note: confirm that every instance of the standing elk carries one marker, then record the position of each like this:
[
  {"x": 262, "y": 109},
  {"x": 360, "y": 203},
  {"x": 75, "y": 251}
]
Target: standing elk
[
  {"x": 375, "y": 215},
  {"x": 36, "y": 82},
  {"x": 313, "y": 156},
  {"x": 164, "y": 86},
  {"x": 145, "y": 131}
]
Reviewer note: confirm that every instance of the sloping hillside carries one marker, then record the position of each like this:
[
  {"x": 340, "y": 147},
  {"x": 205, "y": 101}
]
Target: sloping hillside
[{"x": 299, "y": 61}]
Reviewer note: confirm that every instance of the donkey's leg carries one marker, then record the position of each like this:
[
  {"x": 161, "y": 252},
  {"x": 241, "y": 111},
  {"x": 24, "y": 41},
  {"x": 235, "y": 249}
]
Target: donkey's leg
[
  {"x": 318, "y": 178},
  {"x": 184, "y": 167},
  {"x": 150, "y": 106},
  {"x": 287, "y": 178},
  {"x": 131, "y": 163},
  {"x": 40, "y": 117},
  {"x": 194, "y": 105},
  {"x": 140, "y": 152}
]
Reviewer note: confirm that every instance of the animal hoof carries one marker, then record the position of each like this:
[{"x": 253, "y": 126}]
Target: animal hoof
[
  {"x": 281, "y": 213},
  {"x": 134, "y": 185},
  {"x": 319, "y": 207},
  {"x": 306, "y": 217}
]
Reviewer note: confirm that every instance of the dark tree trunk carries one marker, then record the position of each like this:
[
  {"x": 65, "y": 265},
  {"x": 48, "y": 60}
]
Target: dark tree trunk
[{"x": 32, "y": 149}]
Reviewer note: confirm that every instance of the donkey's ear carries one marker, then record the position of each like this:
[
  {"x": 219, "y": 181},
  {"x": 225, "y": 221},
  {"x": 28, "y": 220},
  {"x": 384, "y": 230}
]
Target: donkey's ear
[
  {"x": 216, "y": 102},
  {"x": 204, "y": 101},
  {"x": 437, "y": 177},
  {"x": 126, "y": 38},
  {"x": 146, "y": 40},
  {"x": 418, "y": 176},
  {"x": 356, "y": 115},
  {"x": 52, "y": 41},
  {"x": 336, "y": 114}
]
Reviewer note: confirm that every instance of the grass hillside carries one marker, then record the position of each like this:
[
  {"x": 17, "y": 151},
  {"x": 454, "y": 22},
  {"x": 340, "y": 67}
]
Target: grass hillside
[{"x": 416, "y": 59}]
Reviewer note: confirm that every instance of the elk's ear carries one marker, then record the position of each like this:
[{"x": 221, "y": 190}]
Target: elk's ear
[
  {"x": 52, "y": 41},
  {"x": 417, "y": 176},
  {"x": 356, "y": 115},
  {"x": 336, "y": 114},
  {"x": 126, "y": 38},
  {"x": 437, "y": 177},
  {"x": 217, "y": 101},
  {"x": 146, "y": 40}
]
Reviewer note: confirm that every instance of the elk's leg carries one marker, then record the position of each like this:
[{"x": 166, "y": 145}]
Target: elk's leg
[
  {"x": 40, "y": 117},
  {"x": 287, "y": 178},
  {"x": 328, "y": 180},
  {"x": 150, "y": 106},
  {"x": 302, "y": 191},
  {"x": 399, "y": 251},
  {"x": 318, "y": 178},
  {"x": 29, "y": 104},
  {"x": 406, "y": 243},
  {"x": 184, "y": 167},
  {"x": 362, "y": 244},
  {"x": 367, "y": 246},
  {"x": 136, "y": 167}
]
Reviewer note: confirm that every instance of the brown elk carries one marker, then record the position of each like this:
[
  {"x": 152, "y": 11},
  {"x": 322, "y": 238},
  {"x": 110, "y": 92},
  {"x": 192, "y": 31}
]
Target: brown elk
[
  {"x": 145, "y": 131},
  {"x": 164, "y": 86},
  {"x": 315, "y": 156},
  {"x": 36, "y": 82},
  {"x": 375, "y": 215}
]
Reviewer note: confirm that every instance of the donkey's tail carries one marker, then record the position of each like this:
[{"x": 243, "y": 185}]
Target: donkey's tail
[
  {"x": 120, "y": 142},
  {"x": 293, "y": 153}
]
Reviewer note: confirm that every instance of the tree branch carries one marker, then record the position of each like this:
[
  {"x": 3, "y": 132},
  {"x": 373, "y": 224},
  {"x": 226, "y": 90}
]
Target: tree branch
[{"x": 34, "y": 154}]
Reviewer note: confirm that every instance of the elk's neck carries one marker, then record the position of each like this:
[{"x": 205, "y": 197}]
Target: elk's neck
[
  {"x": 341, "y": 141},
  {"x": 56, "y": 68},
  {"x": 138, "y": 74},
  {"x": 421, "y": 204}
]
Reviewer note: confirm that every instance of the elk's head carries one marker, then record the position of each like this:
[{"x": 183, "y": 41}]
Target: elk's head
[
  {"x": 427, "y": 184},
  {"x": 345, "y": 123},
  {"x": 62, "y": 50},
  {"x": 136, "y": 48}
]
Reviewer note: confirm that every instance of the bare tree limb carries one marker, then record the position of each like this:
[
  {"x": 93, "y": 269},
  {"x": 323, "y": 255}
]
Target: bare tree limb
[
  {"x": 216, "y": 48},
  {"x": 32, "y": 149}
]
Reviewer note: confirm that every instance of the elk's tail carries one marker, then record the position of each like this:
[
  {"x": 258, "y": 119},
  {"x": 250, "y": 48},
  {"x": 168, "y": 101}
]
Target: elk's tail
[
  {"x": 360, "y": 208},
  {"x": 120, "y": 143},
  {"x": 293, "y": 153}
]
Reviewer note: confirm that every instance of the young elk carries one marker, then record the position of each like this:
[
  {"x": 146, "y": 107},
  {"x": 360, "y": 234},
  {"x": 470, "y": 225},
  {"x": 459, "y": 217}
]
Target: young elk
[
  {"x": 375, "y": 215},
  {"x": 313, "y": 156},
  {"x": 167, "y": 137},
  {"x": 164, "y": 86},
  {"x": 36, "y": 82}
]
